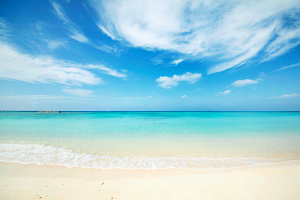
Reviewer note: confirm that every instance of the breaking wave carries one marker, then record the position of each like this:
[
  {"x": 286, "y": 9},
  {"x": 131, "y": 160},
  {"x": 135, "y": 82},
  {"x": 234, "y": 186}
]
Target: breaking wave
[{"x": 42, "y": 154}]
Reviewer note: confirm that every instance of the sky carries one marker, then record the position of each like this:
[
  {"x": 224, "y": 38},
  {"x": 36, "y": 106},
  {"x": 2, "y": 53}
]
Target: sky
[{"x": 150, "y": 55}]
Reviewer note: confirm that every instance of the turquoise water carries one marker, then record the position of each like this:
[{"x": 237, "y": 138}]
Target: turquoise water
[{"x": 134, "y": 140}]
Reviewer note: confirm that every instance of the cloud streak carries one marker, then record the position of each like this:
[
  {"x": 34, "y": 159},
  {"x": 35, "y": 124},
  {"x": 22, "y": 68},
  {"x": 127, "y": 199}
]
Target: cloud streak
[
  {"x": 76, "y": 34},
  {"x": 134, "y": 98},
  {"x": 56, "y": 44},
  {"x": 107, "y": 70},
  {"x": 32, "y": 97},
  {"x": 239, "y": 83},
  {"x": 176, "y": 62},
  {"x": 287, "y": 67},
  {"x": 169, "y": 82},
  {"x": 78, "y": 92},
  {"x": 24, "y": 67},
  {"x": 285, "y": 96},
  {"x": 4, "y": 31},
  {"x": 223, "y": 93},
  {"x": 44, "y": 69},
  {"x": 232, "y": 31}
]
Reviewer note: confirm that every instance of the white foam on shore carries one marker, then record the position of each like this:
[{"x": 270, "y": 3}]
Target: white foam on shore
[{"x": 42, "y": 154}]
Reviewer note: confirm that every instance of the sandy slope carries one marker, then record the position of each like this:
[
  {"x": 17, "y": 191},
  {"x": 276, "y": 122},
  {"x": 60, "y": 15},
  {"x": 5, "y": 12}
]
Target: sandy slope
[{"x": 30, "y": 181}]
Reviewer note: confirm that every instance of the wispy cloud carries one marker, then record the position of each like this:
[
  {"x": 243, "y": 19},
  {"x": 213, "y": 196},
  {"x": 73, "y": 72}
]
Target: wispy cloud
[
  {"x": 169, "y": 82},
  {"x": 287, "y": 67},
  {"x": 106, "y": 32},
  {"x": 285, "y": 96},
  {"x": 24, "y": 67},
  {"x": 176, "y": 62},
  {"x": 4, "y": 30},
  {"x": 3, "y": 23},
  {"x": 76, "y": 33},
  {"x": 223, "y": 93},
  {"x": 287, "y": 39},
  {"x": 135, "y": 98},
  {"x": 106, "y": 70},
  {"x": 45, "y": 69},
  {"x": 32, "y": 97},
  {"x": 79, "y": 37},
  {"x": 184, "y": 96},
  {"x": 108, "y": 49},
  {"x": 232, "y": 31},
  {"x": 39, "y": 25},
  {"x": 78, "y": 92},
  {"x": 157, "y": 61},
  {"x": 55, "y": 44},
  {"x": 244, "y": 82}
]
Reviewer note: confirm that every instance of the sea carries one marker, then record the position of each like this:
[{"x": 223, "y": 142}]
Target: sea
[{"x": 150, "y": 140}]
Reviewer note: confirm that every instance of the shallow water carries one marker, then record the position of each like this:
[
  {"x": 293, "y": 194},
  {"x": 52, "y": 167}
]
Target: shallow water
[{"x": 151, "y": 140}]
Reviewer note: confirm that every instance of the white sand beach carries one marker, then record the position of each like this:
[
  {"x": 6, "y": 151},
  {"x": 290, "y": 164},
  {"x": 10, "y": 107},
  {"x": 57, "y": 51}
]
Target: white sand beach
[{"x": 30, "y": 181}]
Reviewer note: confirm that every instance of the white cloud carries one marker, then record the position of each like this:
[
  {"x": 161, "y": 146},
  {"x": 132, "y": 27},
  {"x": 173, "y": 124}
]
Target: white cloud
[
  {"x": 55, "y": 44},
  {"x": 244, "y": 82},
  {"x": 3, "y": 23},
  {"x": 4, "y": 28},
  {"x": 78, "y": 92},
  {"x": 287, "y": 67},
  {"x": 106, "y": 70},
  {"x": 169, "y": 82},
  {"x": 76, "y": 34},
  {"x": 157, "y": 61},
  {"x": 24, "y": 67},
  {"x": 184, "y": 96},
  {"x": 32, "y": 97},
  {"x": 108, "y": 49},
  {"x": 285, "y": 96},
  {"x": 234, "y": 31},
  {"x": 43, "y": 69},
  {"x": 106, "y": 32},
  {"x": 39, "y": 25},
  {"x": 223, "y": 93},
  {"x": 176, "y": 62},
  {"x": 283, "y": 43},
  {"x": 79, "y": 37},
  {"x": 134, "y": 98}
]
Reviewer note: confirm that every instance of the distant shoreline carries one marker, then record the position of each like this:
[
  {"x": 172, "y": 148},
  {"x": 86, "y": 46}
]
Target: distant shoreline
[
  {"x": 49, "y": 111},
  {"x": 130, "y": 111}
]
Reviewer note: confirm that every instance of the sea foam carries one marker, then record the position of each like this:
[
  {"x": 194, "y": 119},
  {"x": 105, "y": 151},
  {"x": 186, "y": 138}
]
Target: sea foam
[{"x": 42, "y": 154}]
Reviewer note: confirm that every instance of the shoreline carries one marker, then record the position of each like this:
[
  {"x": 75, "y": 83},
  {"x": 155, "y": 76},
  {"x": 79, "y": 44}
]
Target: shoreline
[
  {"x": 32, "y": 181},
  {"x": 168, "y": 168},
  {"x": 47, "y": 154}
]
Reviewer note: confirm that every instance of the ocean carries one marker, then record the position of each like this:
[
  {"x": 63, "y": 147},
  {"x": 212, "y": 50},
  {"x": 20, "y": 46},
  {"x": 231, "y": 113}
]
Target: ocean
[{"x": 150, "y": 140}]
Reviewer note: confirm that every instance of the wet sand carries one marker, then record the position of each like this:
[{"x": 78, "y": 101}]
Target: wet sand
[{"x": 30, "y": 181}]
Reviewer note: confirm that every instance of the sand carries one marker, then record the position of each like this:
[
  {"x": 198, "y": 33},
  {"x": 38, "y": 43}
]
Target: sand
[{"x": 30, "y": 181}]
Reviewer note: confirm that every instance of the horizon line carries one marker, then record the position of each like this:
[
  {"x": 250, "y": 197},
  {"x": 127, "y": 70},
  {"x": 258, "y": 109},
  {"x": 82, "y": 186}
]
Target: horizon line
[{"x": 146, "y": 111}]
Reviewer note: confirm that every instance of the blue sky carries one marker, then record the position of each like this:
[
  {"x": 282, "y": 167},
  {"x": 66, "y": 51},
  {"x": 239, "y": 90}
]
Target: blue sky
[{"x": 151, "y": 55}]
